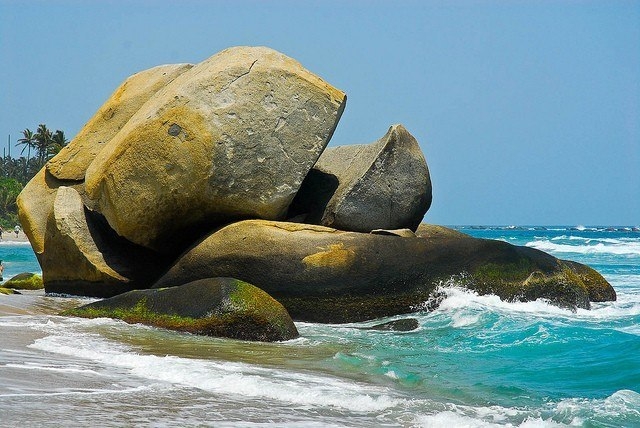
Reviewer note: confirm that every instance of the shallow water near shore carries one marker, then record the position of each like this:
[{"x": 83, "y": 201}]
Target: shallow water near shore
[{"x": 475, "y": 361}]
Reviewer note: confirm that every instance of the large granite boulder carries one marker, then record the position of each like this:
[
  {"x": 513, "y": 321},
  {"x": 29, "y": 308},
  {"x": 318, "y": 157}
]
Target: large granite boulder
[
  {"x": 67, "y": 168},
  {"x": 382, "y": 185},
  {"x": 83, "y": 256},
  {"x": 231, "y": 138},
  {"x": 35, "y": 206},
  {"x": 72, "y": 161},
  {"x": 221, "y": 307},
  {"x": 322, "y": 274}
]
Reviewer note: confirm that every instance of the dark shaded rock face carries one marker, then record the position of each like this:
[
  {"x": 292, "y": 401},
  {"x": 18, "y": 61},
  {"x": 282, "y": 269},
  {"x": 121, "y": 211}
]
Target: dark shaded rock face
[
  {"x": 405, "y": 324},
  {"x": 220, "y": 307},
  {"x": 324, "y": 275},
  {"x": 84, "y": 256},
  {"x": 382, "y": 185}
]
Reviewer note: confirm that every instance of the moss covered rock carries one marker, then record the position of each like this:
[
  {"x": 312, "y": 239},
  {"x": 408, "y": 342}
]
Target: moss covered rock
[
  {"x": 7, "y": 291},
  {"x": 25, "y": 281},
  {"x": 322, "y": 274},
  {"x": 220, "y": 307}
]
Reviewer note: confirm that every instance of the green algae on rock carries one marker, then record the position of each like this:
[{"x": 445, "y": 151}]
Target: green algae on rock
[
  {"x": 219, "y": 307},
  {"x": 25, "y": 281}
]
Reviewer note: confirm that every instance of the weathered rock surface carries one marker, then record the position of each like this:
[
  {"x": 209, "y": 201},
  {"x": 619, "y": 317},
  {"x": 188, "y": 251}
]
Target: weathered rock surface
[
  {"x": 221, "y": 307},
  {"x": 24, "y": 281},
  {"x": 593, "y": 281},
  {"x": 382, "y": 185},
  {"x": 72, "y": 161},
  {"x": 82, "y": 256},
  {"x": 35, "y": 205},
  {"x": 322, "y": 274},
  {"x": 231, "y": 138},
  {"x": 432, "y": 231}
]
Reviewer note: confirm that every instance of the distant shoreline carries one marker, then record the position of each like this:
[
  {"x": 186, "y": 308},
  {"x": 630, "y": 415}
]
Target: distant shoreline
[{"x": 10, "y": 236}]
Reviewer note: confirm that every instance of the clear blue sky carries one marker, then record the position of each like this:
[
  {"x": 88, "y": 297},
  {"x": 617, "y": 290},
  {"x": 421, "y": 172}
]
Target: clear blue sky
[{"x": 528, "y": 112}]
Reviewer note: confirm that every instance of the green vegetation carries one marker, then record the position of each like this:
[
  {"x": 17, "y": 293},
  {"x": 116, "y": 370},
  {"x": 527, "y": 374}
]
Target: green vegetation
[
  {"x": 15, "y": 173},
  {"x": 25, "y": 281}
]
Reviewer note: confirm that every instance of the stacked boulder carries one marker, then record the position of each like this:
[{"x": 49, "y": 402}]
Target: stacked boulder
[{"x": 192, "y": 173}]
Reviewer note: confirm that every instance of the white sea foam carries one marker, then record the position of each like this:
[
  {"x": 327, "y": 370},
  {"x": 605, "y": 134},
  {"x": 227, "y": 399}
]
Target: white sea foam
[
  {"x": 81, "y": 392},
  {"x": 615, "y": 247},
  {"x": 481, "y": 417},
  {"x": 465, "y": 307},
  {"x": 58, "y": 369},
  {"x": 622, "y": 408},
  {"x": 461, "y": 298},
  {"x": 242, "y": 380}
]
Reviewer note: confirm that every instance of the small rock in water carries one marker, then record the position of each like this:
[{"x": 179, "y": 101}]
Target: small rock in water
[{"x": 405, "y": 324}]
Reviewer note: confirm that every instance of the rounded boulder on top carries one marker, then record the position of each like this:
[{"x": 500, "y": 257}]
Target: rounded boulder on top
[{"x": 231, "y": 138}]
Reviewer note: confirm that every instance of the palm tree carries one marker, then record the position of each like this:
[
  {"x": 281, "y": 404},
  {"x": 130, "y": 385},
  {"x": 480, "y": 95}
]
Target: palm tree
[
  {"x": 44, "y": 139},
  {"x": 58, "y": 141},
  {"x": 28, "y": 141}
]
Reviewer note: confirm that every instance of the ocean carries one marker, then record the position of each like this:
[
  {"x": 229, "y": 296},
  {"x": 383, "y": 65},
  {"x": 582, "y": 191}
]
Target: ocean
[{"x": 476, "y": 361}]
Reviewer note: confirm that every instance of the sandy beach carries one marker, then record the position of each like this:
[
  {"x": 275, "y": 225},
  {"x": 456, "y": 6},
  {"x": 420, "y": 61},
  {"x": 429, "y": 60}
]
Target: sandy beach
[{"x": 10, "y": 236}]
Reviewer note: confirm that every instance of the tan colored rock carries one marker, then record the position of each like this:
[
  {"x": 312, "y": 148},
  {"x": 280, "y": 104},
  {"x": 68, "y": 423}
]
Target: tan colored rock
[
  {"x": 402, "y": 233},
  {"x": 72, "y": 161},
  {"x": 363, "y": 187},
  {"x": 433, "y": 231},
  {"x": 35, "y": 202},
  {"x": 231, "y": 138},
  {"x": 322, "y": 274},
  {"x": 35, "y": 205},
  {"x": 83, "y": 257}
]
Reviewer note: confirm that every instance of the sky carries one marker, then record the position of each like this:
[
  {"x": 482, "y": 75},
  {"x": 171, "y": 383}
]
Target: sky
[{"x": 528, "y": 112}]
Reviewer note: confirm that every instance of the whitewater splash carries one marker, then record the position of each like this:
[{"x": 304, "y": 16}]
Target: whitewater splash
[{"x": 619, "y": 247}]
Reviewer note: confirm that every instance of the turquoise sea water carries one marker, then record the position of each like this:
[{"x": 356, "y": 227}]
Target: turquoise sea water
[{"x": 475, "y": 361}]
